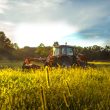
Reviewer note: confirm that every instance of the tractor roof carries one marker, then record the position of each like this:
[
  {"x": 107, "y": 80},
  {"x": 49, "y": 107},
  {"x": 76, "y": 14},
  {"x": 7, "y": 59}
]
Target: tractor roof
[{"x": 64, "y": 46}]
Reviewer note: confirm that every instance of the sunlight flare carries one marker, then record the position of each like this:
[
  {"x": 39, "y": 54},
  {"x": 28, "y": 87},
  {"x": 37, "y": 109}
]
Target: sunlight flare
[{"x": 47, "y": 33}]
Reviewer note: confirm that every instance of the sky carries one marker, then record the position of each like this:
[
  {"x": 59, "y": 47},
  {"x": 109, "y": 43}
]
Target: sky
[{"x": 77, "y": 22}]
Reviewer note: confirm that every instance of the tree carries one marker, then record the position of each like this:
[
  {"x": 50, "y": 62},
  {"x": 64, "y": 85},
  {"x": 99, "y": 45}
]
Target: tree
[
  {"x": 56, "y": 44},
  {"x": 15, "y": 46},
  {"x": 5, "y": 43},
  {"x": 41, "y": 45},
  {"x": 6, "y": 47},
  {"x": 43, "y": 51}
]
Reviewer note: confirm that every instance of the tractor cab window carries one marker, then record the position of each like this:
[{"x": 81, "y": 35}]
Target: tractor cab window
[
  {"x": 56, "y": 51},
  {"x": 64, "y": 51},
  {"x": 69, "y": 51}
]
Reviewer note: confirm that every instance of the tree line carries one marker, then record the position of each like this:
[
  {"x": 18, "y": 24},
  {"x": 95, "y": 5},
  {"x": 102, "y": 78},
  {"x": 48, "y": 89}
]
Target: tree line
[{"x": 11, "y": 51}]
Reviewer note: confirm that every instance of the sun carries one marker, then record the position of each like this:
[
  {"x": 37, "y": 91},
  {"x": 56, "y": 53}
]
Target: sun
[{"x": 33, "y": 34}]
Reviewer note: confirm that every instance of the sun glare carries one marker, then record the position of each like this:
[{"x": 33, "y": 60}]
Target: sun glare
[{"x": 47, "y": 33}]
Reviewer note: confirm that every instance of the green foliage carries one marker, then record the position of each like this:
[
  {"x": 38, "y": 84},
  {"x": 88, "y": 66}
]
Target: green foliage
[
  {"x": 43, "y": 51},
  {"x": 5, "y": 42},
  {"x": 55, "y": 43},
  {"x": 6, "y": 47},
  {"x": 95, "y": 52},
  {"x": 11, "y": 51},
  {"x": 55, "y": 89}
]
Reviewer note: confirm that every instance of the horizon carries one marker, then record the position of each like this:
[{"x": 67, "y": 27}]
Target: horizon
[{"x": 29, "y": 23}]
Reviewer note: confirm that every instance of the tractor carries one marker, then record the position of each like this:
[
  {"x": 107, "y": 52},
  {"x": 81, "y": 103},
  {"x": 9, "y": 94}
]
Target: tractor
[{"x": 61, "y": 55}]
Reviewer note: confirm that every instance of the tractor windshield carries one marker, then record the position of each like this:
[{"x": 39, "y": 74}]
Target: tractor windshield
[
  {"x": 63, "y": 50},
  {"x": 67, "y": 51},
  {"x": 56, "y": 51}
]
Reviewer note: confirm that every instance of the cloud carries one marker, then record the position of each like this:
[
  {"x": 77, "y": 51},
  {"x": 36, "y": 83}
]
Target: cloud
[
  {"x": 78, "y": 40},
  {"x": 8, "y": 28},
  {"x": 91, "y": 18},
  {"x": 75, "y": 13},
  {"x": 34, "y": 34},
  {"x": 107, "y": 42},
  {"x": 3, "y": 6}
]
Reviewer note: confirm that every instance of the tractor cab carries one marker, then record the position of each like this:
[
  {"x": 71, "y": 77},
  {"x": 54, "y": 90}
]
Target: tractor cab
[
  {"x": 63, "y": 50},
  {"x": 63, "y": 55}
]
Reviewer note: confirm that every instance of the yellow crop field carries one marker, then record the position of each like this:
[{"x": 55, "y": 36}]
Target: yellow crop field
[{"x": 55, "y": 89}]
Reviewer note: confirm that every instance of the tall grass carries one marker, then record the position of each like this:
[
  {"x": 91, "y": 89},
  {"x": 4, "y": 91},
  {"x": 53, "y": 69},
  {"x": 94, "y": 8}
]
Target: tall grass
[{"x": 55, "y": 89}]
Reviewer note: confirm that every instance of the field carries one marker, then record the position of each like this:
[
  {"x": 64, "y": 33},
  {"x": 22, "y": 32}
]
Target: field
[{"x": 55, "y": 89}]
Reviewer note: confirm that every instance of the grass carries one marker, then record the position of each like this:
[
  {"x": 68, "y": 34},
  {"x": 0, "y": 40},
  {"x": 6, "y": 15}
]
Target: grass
[
  {"x": 11, "y": 64},
  {"x": 103, "y": 63},
  {"x": 55, "y": 89},
  {"x": 15, "y": 64},
  {"x": 100, "y": 64}
]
